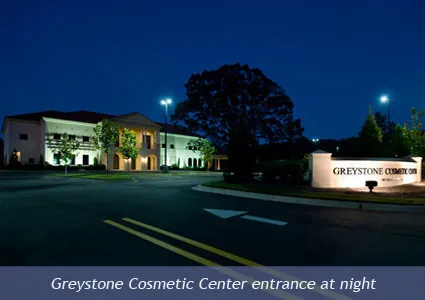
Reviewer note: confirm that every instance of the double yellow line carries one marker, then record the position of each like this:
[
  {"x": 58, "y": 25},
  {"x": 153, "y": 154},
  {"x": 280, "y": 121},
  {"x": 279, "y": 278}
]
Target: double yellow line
[{"x": 216, "y": 251}]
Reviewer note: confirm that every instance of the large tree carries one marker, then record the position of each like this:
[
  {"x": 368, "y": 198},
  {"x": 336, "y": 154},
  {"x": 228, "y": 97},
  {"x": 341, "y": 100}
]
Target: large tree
[
  {"x": 370, "y": 137},
  {"x": 129, "y": 145},
  {"x": 388, "y": 133},
  {"x": 106, "y": 135},
  {"x": 237, "y": 107},
  {"x": 67, "y": 149},
  {"x": 382, "y": 122}
]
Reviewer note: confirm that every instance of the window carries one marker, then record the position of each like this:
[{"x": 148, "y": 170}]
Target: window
[
  {"x": 56, "y": 159},
  {"x": 71, "y": 137},
  {"x": 148, "y": 142},
  {"x": 171, "y": 146},
  {"x": 85, "y": 159},
  {"x": 31, "y": 160},
  {"x": 86, "y": 139},
  {"x": 195, "y": 162},
  {"x": 189, "y": 162},
  {"x": 163, "y": 146},
  {"x": 57, "y": 136},
  {"x": 23, "y": 136},
  {"x": 190, "y": 147},
  {"x": 199, "y": 162},
  {"x": 73, "y": 160}
]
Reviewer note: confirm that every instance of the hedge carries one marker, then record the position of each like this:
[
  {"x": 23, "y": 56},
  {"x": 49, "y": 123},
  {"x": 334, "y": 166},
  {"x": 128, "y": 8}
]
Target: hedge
[
  {"x": 288, "y": 171},
  {"x": 37, "y": 167}
]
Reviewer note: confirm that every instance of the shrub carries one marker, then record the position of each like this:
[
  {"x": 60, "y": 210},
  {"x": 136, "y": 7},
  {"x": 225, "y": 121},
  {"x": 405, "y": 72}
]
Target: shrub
[
  {"x": 229, "y": 177},
  {"x": 32, "y": 167},
  {"x": 288, "y": 172},
  {"x": 174, "y": 167},
  {"x": 41, "y": 161},
  {"x": 96, "y": 167},
  {"x": 14, "y": 166},
  {"x": 198, "y": 169},
  {"x": 27, "y": 167},
  {"x": 95, "y": 162},
  {"x": 74, "y": 168}
]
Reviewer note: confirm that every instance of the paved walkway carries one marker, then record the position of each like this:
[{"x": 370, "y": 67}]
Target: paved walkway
[{"x": 315, "y": 202}]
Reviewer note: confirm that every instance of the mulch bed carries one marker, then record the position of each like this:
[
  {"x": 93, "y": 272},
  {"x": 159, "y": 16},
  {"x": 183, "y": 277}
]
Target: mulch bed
[{"x": 407, "y": 190}]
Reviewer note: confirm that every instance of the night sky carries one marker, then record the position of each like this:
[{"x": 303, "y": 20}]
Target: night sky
[{"x": 334, "y": 58}]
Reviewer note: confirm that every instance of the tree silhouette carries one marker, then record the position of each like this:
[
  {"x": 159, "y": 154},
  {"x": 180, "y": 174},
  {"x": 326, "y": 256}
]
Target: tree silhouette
[
  {"x": 370, "y": 137},
  {"x": 236, "y": 105}
]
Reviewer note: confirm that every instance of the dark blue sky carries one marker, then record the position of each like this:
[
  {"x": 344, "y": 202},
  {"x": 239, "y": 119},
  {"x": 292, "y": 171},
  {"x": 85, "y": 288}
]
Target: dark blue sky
[{"x": 334, "y": 58}]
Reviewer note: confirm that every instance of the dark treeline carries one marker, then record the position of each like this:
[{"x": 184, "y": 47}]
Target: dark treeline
[{"x": 250, "y": 117}]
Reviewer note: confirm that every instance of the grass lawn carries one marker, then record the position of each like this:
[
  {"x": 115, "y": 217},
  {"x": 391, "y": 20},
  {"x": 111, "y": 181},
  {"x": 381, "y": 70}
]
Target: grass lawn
[
  {"x": 129, "y": 176},
  {"x": 308, "y": 192},
  {"x": 110, "y": 176},
  {"x": 173, "y": 173}
]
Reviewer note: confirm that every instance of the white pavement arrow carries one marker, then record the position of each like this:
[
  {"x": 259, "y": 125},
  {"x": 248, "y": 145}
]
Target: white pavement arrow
[
  {"x": 264, "y": 220},
  {"x": 224, "y": 213}
]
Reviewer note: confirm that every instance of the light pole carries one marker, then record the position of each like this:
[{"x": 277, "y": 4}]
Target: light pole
[
  {"x": 165, "y": 103},
  {"x": 386, "y": 99}
]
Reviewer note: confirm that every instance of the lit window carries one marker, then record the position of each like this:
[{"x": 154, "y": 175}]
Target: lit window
[{"x": 18, "y": 156}]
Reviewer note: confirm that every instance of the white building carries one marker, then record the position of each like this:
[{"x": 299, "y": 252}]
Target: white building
[{"x": 34, "y": 136}]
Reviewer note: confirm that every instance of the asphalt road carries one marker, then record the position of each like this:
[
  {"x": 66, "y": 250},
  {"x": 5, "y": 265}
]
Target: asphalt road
[{"x": 74, "y": 222}]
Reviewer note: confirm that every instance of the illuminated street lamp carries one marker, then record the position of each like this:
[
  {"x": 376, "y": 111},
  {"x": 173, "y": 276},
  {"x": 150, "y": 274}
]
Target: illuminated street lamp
[
  {"x": 165, "y": 102},
  {"x": 386, "y": 99}
]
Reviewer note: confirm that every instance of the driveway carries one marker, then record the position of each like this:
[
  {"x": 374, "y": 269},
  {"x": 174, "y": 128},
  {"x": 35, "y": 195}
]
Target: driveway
[{"x": 161, "y": 221}]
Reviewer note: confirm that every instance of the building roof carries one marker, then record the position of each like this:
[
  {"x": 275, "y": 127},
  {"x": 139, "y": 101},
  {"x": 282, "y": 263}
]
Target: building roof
[
  {"x": 78, "y": 116},
  {"x": 175, "y": 130},
  {"x": 87, "y": 117}
]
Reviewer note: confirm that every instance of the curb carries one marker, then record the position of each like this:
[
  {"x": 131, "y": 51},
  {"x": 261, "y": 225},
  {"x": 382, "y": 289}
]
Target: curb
[
  {"x": 47, "y": 177},
  {"x": 314, "y": 202},
  {"x": 71, "y": 179}
]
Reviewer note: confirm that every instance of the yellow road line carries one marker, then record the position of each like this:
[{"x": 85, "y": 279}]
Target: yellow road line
[
  {"x": 233, "y": 257},
  {"x": 165, "y": 245},
  {"x": 198, "y": 259}
]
